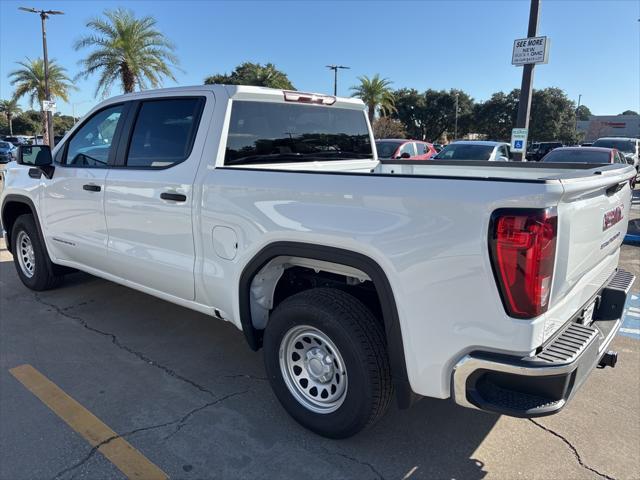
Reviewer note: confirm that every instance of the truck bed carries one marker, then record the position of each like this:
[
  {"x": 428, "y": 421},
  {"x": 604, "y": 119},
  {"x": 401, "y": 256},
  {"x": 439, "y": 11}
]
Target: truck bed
[{"x": 518, "y": 171}]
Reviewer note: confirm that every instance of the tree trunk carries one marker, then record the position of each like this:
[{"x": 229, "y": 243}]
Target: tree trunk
[
  {"x": 372, "y": 112},
  {"x": 128, "y": 79},
  {"x": 45, "y": 129},
  {"x": 10, "y": 122}
]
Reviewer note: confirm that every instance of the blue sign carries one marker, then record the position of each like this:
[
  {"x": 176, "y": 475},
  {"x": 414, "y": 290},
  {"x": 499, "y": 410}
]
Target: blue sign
[{"x": 518, "y": 144}]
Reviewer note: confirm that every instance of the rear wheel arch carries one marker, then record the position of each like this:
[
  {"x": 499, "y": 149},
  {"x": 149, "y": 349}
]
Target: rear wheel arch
[{"x": 336, "y": 256}]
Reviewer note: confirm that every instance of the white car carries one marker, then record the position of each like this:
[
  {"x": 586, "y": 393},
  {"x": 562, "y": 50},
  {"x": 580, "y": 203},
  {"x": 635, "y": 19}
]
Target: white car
[
  {"x": 495, "y": 284},
  {"x": 475, "y": 150},
  {"x": 630, "y": 147}
]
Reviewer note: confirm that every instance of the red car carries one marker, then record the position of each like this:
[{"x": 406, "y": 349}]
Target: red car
[{"x": 404, "y": 149}]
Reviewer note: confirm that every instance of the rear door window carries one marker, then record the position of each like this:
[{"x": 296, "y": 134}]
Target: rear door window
[
  {"x": 407, "y": 148},
  {"x": 164, "y": 132}
]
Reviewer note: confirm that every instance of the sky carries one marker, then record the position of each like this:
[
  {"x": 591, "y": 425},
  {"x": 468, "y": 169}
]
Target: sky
[{"x": 595, "y": 44}]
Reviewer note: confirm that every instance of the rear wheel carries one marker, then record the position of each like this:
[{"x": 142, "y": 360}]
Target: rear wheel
[
  {"x": 326, "y": 359},
  {"x": 30, "y": 256}
]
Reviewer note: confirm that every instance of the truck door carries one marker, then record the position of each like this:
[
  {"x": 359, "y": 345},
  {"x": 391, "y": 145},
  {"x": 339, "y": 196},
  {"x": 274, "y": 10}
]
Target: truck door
[
  {"x": 73, "y": 200},
  {"x": 149, "y": 195}
]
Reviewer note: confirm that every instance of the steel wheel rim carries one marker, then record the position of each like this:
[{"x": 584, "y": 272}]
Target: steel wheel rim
[
  {"x": 26, "y": 255},
  {"x": 313, "y": 369}
]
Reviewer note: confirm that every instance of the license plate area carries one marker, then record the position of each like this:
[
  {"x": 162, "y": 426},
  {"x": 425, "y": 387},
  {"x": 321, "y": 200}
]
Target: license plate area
[{"x": 587, "y": 314}]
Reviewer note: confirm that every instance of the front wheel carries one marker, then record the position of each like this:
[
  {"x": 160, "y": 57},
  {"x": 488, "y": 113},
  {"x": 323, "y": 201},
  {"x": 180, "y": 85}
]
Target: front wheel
[
  {"x": 30, "y": 256},
  {"x": 326, "y": 360}
]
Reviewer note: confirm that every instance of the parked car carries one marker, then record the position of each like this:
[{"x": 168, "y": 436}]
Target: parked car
[
  {"x": 17, "y": 140},
  {"x": 8, "y": 152},
  {"x": 438, "y": 146},
  {"x": 542, "y": 148},
  {"x": 475, "y": 150},
  {"x": 269, "y": 209},
  {"x": 595, "y": 155},
  {"x": 629, "y": 146},
  {"x": 405, "y": 149}
]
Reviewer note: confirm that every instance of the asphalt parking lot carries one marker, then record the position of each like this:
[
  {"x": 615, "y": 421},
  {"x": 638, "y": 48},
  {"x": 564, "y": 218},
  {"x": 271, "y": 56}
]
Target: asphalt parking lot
[{"x": 192, "y": 400}]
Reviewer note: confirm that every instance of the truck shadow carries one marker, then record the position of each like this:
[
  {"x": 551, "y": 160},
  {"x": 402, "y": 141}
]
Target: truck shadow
[{"x": 433, "y": 439}]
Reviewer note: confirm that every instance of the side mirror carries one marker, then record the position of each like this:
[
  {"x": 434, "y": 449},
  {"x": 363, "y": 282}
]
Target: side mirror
[
  {"x": 35, "y": 155},
  {"x": 405, "y": 155},
  {"x": 39, "y": 157}
]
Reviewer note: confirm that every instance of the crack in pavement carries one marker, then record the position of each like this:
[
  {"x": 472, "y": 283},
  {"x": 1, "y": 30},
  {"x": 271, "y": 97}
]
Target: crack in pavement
[
  {"x": 354, "y": 460},
  {"x": 114, "y": 339},
  {"x": 182, "y": 421},
  {"x": 573, "y": 449}
]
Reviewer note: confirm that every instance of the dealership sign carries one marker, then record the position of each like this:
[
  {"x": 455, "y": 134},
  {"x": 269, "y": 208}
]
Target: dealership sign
[{"x": 530, "y": 50}]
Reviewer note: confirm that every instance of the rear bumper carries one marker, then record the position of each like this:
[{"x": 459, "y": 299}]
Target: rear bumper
[{"x": 543, "y": 384}]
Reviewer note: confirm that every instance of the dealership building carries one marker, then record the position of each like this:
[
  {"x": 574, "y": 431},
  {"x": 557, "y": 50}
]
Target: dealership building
[{"x": 609, "y": 126}]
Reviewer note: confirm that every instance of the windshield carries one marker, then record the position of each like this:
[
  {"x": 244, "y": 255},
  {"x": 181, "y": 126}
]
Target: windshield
[
  {"x": 578, "y": 156},
  {"x": 264, "y": 132},
  {"x": 465, "y": 151},
  {"x": 386, "y": 149},
  {"x": 626, "y": 146},
  {"x": 5, "y": 145}
]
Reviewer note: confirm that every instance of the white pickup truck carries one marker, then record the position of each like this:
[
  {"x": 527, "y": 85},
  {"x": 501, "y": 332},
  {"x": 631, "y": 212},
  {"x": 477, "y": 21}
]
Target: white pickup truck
[{"x": 494, "y": 284}]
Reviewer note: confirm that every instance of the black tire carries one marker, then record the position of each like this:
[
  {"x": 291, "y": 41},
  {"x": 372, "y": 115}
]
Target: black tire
[
  {"x": 44, "y": 273},
  {"x": 360, "y": 340}
]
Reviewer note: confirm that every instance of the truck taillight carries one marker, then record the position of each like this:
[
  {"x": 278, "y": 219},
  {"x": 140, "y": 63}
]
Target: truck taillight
[{"x": 522, "y": 246}]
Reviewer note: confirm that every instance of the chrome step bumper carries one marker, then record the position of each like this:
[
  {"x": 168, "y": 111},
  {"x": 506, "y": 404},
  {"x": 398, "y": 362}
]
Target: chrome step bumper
[{"x": 543, "y": 384}]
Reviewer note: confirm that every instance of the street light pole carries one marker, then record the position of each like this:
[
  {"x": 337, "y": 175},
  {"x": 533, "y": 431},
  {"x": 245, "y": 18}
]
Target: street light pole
[
  {"x": 455, "y": 131},
  {"x": 44, "y": 14},
  {"x": 577, "y": 108},
  {"x": 524, "y": 107},
  {"x": 335, "y": 76}
]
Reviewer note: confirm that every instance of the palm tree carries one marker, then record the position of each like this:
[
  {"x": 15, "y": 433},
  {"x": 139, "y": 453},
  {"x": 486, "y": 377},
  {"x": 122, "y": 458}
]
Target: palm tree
[
  {"x": 127, "y": 49},
  {"x": 29, "y": 81},
  {"x": 10, "y": 108},
  {"x": 375, "y": 93}
]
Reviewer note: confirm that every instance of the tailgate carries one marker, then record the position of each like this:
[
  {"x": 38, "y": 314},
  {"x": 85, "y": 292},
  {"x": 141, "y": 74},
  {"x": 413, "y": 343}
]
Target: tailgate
[{"x": 592, "y": 221}]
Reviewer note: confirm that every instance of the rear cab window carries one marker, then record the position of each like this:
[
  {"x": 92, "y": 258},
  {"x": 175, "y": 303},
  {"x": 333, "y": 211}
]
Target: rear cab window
[{"x": 268, "y": 132}]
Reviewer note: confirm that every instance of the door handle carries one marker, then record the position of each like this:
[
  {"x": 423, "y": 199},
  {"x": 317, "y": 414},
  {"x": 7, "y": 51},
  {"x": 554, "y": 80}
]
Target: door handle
[
  {"x": 91, "y": 188},
  {"x": 176, "y": 197}
]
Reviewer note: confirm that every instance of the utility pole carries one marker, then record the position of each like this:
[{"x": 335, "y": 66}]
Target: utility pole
[
  {"x": 577, "y": 108},
  {"x": 455, "y": 130},
  {"x": 44, "y": 14},
  {"x": 335, "y": 69},
  {"x": 524, "y": 106}
]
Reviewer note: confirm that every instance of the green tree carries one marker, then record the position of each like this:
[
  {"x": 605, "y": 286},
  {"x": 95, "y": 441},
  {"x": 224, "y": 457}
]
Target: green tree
[
  {"x": 376, "y": 95},
  {"x": 128, "y": 50},
  {"x": 629, "y": 112},
  {"x": 386, "y": 127},
  {"x": 29, "y": 81},
  {"x": 496, "y": 117},
  {"x": 434, "y": 113},
  {"x": 583, "y": 112},
  {"x": 62, "y": 123},
  {"x": 28, "y": 123},
  {"x": 10, "y": 109},
  {"x": 553, "y": 116},
  {"x": 255, "y": 74},
  {"x": 410, "y": 111}
]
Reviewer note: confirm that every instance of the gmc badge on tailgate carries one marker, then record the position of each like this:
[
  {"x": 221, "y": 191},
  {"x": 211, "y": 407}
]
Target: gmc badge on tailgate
[{"x": 612, "y": 217}]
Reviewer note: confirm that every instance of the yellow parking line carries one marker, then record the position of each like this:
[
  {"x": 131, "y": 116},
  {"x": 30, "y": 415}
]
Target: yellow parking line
[{"x": 120, "y": 452}]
